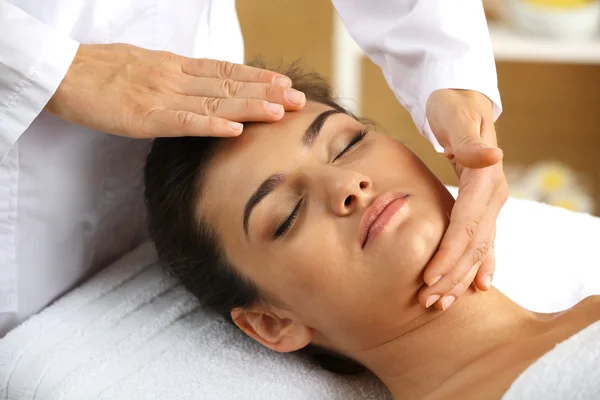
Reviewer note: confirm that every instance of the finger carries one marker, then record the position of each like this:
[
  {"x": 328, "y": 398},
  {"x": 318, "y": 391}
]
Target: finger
[
  {"x": 468, "y": 210},
  {"x": 290, "y": 99},
  {"x": 225, "y": 70},
  {"x": 172, "y": 123},
  {"x": 473, "y": 152},
  {"x": 484, "y": 277},
  {"x": 475, "y": 146},
  {"x": 445, "y": 302},
  {"x": 239, "y": 110},
  {"x": 474, "y": 255}
]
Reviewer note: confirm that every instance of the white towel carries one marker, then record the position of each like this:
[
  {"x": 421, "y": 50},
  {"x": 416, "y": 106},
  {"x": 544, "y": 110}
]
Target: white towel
[
  {"x": 547, "y": 258},
  {"x": 569, "y": 371},
  {"x": 131, "y": 333}
]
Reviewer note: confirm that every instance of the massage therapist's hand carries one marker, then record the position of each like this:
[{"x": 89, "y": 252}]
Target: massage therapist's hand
[
  {"x": 462, "y": 121},
  {"x": 130, "y": 91}
]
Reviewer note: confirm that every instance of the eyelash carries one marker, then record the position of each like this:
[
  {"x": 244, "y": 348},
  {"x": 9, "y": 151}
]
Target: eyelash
[
  {"x": 285, "y": 225},
  {"x": 355, "y": 140}
]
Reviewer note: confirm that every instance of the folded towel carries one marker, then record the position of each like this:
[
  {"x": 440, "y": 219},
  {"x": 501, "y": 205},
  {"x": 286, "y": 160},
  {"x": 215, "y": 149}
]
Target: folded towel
[
  {"x": 132, "y": 333},
  {"x": 570, "y": 371}
]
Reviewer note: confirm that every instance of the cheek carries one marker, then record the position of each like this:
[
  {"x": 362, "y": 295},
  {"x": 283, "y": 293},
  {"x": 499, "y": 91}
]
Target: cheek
[
  {"x": 419, "y": 238},
  {"x": 316, "y": 275},
  {"x": 315, "y": 262}
]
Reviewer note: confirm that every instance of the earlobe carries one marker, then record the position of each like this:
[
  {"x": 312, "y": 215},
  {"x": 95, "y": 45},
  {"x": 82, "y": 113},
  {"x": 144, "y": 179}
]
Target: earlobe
[{"x": 272, "y": 331}]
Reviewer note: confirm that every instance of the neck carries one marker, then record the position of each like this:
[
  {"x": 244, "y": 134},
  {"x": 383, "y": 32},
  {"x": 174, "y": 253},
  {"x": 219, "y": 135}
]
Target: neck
[{"x": 440, "y": 344}]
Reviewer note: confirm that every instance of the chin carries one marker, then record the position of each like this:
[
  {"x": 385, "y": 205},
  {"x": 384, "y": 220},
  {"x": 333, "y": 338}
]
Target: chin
[{"x": 415, "y": 244}]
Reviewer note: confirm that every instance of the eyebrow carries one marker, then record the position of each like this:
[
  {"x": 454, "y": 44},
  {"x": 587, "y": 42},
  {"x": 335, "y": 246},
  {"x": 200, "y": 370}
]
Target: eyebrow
[
  {"x": 265, "y": 188},
  {"x": 314, "y": 129},
  {"x": 274, "y": 181}
]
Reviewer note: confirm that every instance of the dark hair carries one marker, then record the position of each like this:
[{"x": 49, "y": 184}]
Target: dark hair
[{"x": 187, "y": 245}]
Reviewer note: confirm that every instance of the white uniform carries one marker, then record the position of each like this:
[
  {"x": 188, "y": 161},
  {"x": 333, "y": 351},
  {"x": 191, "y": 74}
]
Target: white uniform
[{"x": 70, "y": 197}]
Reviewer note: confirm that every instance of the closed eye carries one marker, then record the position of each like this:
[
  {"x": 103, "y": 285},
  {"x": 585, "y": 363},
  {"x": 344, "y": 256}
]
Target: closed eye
[
  {"x": 355, "y": 140},
  {"x": 285, "y": 225}
]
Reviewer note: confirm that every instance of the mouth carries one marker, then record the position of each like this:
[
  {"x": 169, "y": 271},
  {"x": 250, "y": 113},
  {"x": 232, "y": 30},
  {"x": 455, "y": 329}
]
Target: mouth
[{"x": 379, "y": 214}]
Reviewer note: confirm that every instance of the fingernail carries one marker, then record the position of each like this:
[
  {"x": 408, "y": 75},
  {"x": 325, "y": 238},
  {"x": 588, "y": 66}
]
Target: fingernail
[
  {"x": 447, "y": 302},
  {"x": 434, "y": 280},
  {"x": 236, "y": 127},
  {"x": 282, "y": 81},
  {"x": 274, "y": 108},
  {"x": 294, "y": 96},
  {"x": 487, "y": 281},
  {"x": 432, "y": 299}
]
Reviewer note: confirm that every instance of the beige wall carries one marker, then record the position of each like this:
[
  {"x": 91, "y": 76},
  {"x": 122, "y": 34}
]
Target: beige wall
[
  {"x": 288, "y": 30},
  {"x": 550, "y": 111}
]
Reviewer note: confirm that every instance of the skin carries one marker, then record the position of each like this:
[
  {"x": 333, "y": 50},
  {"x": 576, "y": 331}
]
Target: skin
[
  {"x": 320, "y": 286},
  {"x": 325, "y": 224},
  {"x": 129, "y": 91},
  {"x": 462, "y": 122}
]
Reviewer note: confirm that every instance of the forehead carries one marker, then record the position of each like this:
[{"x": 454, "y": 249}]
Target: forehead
[
  {"x": 260, "y": 137},
  {"x": 241, "y": 164}
]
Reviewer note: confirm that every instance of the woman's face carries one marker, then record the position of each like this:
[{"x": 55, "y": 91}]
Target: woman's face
[{"x": 293, "y": 203}]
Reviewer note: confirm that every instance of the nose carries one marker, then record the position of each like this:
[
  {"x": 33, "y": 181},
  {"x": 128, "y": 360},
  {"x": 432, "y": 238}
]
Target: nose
[{"x": 344, "y": 191}]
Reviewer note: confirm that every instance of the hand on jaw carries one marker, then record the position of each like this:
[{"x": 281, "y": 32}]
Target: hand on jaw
[{"x": 462, "y": 121}]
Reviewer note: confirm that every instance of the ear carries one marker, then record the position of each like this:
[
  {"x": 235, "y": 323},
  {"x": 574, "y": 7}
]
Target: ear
[{"x": 277, "y": 333}]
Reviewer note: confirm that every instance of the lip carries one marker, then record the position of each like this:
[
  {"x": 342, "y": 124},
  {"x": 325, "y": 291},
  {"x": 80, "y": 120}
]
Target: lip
[{"x": 379, "y": 214}]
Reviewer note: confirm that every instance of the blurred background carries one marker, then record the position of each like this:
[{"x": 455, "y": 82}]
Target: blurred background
[{"x": 548, "y": 62}]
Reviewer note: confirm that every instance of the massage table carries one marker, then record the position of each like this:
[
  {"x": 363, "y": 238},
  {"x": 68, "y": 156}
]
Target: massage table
[{"x": 130, "y": 332}]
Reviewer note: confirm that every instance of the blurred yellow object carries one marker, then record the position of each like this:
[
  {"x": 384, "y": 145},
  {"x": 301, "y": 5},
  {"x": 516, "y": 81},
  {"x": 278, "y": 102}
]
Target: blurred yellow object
[
  {"x": 566, "y": 203},
  {"x": 573, "y": 200},
  {"x": 552, "y": 183},
  {"x": 560, "y": 3},
  {"x": 553, "y": 180}
]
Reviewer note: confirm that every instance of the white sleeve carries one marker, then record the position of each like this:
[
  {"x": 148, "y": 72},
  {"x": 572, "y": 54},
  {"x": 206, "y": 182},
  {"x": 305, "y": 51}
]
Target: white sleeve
[
  {"x": 425, "y": 45},
  {"x": 34, "y": 59}
]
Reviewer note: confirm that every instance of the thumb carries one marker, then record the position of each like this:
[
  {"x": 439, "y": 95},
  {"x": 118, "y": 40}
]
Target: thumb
[{"x": 471, "y": 151}]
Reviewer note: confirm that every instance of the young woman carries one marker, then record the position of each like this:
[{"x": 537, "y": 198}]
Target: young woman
[{"x": 314, "y": 231}]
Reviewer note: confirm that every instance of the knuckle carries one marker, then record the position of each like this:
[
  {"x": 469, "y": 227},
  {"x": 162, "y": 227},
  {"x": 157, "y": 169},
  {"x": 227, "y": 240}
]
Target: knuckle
[
  {"x": 184, "y": 118},
  {"x": 471, "y": 229},
  {"x": 211, "y": 105},
  {"x": 168, "y": 56},
  {"x": 161, "y": 72},
  {"x": 480, "y": 251},
  {"x": 225, "y": 69},
  {"x": 273, "y": 92},
  {"x": 250, "y": 105},
  {"x": 230, "y": 87}
]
